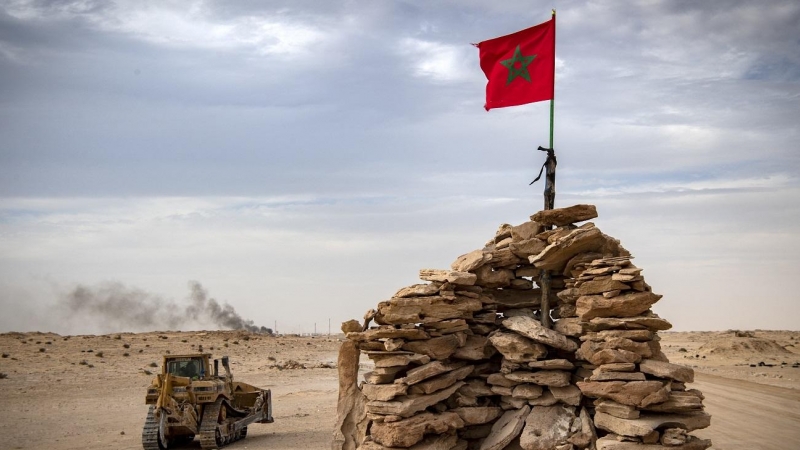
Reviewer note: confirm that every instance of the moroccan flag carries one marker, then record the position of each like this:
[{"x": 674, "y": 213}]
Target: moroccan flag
[{"x": 520, "y": 67}]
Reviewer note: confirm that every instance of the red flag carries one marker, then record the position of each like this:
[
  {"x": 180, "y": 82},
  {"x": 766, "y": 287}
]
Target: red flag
[{"x": 520, "y": 67}]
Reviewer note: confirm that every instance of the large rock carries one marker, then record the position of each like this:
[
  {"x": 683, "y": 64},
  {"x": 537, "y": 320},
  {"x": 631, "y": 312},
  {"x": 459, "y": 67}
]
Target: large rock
[
  {"x": 517, "y": 348},
  {"x": 633, "y": 393},
  {"x": 478, "y": 415},
  {"x": 548, "y": 427},
  {"x": 407, "y": 432},
  {"x": 437, "y": 348},
  {"x": 589, "y": 349},
  {"x": 667, "y": 370},
  {"x": 531, "y": 328},
  {"x": 450, "y": 276},
  {"x": 557, "y": 378},
  {"x": 507, "y": 427},
  {"x": 409, "y": 405},
  {"x": 609, "y": 443},
  {"x": 648, "y": 422},
  {"x": 471, "y": 261},
  {"x": 556, "y": 255},
  {"x": 565, "y": 216},
  {"x": 426, "y": 309},
  {"x": 625, "y": 305},
  {"x": 650, "y": 321}
]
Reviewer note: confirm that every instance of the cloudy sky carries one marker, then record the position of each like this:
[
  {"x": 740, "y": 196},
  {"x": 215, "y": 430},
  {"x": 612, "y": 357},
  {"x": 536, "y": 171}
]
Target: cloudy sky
[{"x": 303, "y": 159}]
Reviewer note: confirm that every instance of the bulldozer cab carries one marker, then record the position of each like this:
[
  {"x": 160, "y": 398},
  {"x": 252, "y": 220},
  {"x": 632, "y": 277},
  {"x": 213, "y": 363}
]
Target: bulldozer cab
[{"x": 193, "y": 367}]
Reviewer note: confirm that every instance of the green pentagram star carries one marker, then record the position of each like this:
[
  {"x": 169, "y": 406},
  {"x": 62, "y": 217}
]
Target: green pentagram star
[{"x": 513, "y": 70}]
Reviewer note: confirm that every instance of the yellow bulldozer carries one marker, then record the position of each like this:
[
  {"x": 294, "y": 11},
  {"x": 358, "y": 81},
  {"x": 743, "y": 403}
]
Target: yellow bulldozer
[{"x": 188, "y": 399}]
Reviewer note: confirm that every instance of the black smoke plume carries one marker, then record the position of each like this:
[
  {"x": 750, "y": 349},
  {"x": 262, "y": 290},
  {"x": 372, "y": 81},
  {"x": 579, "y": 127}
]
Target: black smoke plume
[{"x": 118, "y": 307}]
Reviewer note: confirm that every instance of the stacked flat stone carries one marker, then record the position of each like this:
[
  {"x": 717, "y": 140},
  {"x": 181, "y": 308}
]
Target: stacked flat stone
[
  {"x": 640, "y": 398},
  {"x": 463, "y": 362}
]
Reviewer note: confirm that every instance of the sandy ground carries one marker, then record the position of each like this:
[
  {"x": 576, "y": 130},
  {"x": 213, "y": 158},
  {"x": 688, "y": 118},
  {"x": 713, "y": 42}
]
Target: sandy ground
[{"x": 53, "y": 401}]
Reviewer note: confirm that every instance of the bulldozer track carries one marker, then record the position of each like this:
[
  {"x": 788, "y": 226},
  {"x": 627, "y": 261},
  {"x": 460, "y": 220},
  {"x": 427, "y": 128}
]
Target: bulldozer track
[
  {"x": 209, "y": 426},
  {"x": 150, "y": 431}
]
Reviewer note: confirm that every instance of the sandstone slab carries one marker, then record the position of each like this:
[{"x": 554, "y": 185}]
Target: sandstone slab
[
  {"x": 450, "y": 276},
  {"x": 633, "y": 393},
  {"x": 556, "y": 255},
  {"x": 557, "y": 378},
  {"x": 383, "y": 391},
  {"x": 548, "y": 427},
  {"x": 569, "y": 394},
  {"x": 616, "y": 409},
  {"x": 429, "y": 370},
  {"x": 649, "y": 321},
  {"x": 471, "y": 261},
  {"x": 565, "y": 216},
  {"x": 426, "y": 309},
  {"x": 527, "y": 391},
  {"x": 436, "y": 348},
  {"x": 478, "y": 415},
  {"x": 649, "y": 422},
  {"x": 609, "y": 443},
  {"x": 517, "y": 348},
  {"x": 407, "y": 432},
  {"x": 409, "y": 405},
  {"x": 507, "y": 427},
  {"x": 600, "y": 286},
  {"x": 531, "y": 328},
  {"x": 667, "y": 370},
  {"x": 626, "y": 305},
  {"x": 442, "y": 381},
  {"x": 418, "y": 290},
  {"x": 475, "y": 348}
]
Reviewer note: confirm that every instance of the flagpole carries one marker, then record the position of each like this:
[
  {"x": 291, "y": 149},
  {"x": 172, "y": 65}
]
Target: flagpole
[{"x": 549, "y": 189}]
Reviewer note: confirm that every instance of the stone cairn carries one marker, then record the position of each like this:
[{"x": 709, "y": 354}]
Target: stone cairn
[{"x": 463, "y": 362}]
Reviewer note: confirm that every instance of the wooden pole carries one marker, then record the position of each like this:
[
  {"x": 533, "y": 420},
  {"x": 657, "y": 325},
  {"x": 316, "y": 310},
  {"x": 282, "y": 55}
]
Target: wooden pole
[{"x": 549, "y": 195}]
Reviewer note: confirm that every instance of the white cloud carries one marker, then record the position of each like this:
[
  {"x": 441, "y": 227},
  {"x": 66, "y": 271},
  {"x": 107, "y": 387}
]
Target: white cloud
[{"x": 438, "y": 61}]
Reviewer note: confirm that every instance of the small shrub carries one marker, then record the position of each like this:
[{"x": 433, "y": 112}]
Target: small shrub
[
  {"x": 48, "y": 343},
  {"x": 90, "y": 351},
  {"x": 99, "y": 354},
  {"x": 225, "y": 344},
  {"x": 41, "y": 350},
  {"x": 235, "y": 342},
  {"x": 146, "y": 372},
  {"x": 167, "y": 352},
  {"x": 126, "y": 345},
  {"x": 3, "y": 375},
  {"x": 140, "y": 350},
  {"x": 117, "y": 337},
  {"x": 126, "y": 354},
  {"x": 38, "y": 342},
  {"x": 271, "y": 358},
  {"x": 5, "y": 355},
  {"x": 183, "y": 340},
  {"x": 682, "y": 350},
  {"x": 152, "y": 364},
  {"x": 83, "y": 363}
]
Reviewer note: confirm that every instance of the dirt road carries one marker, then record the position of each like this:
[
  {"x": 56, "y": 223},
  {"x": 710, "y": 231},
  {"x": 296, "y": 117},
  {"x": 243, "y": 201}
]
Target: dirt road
[{"x": 749, "y": 416}]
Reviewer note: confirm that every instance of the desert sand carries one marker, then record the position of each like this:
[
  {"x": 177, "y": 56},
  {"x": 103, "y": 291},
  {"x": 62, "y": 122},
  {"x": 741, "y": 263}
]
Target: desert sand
[{"x": 87, "y": 392}]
